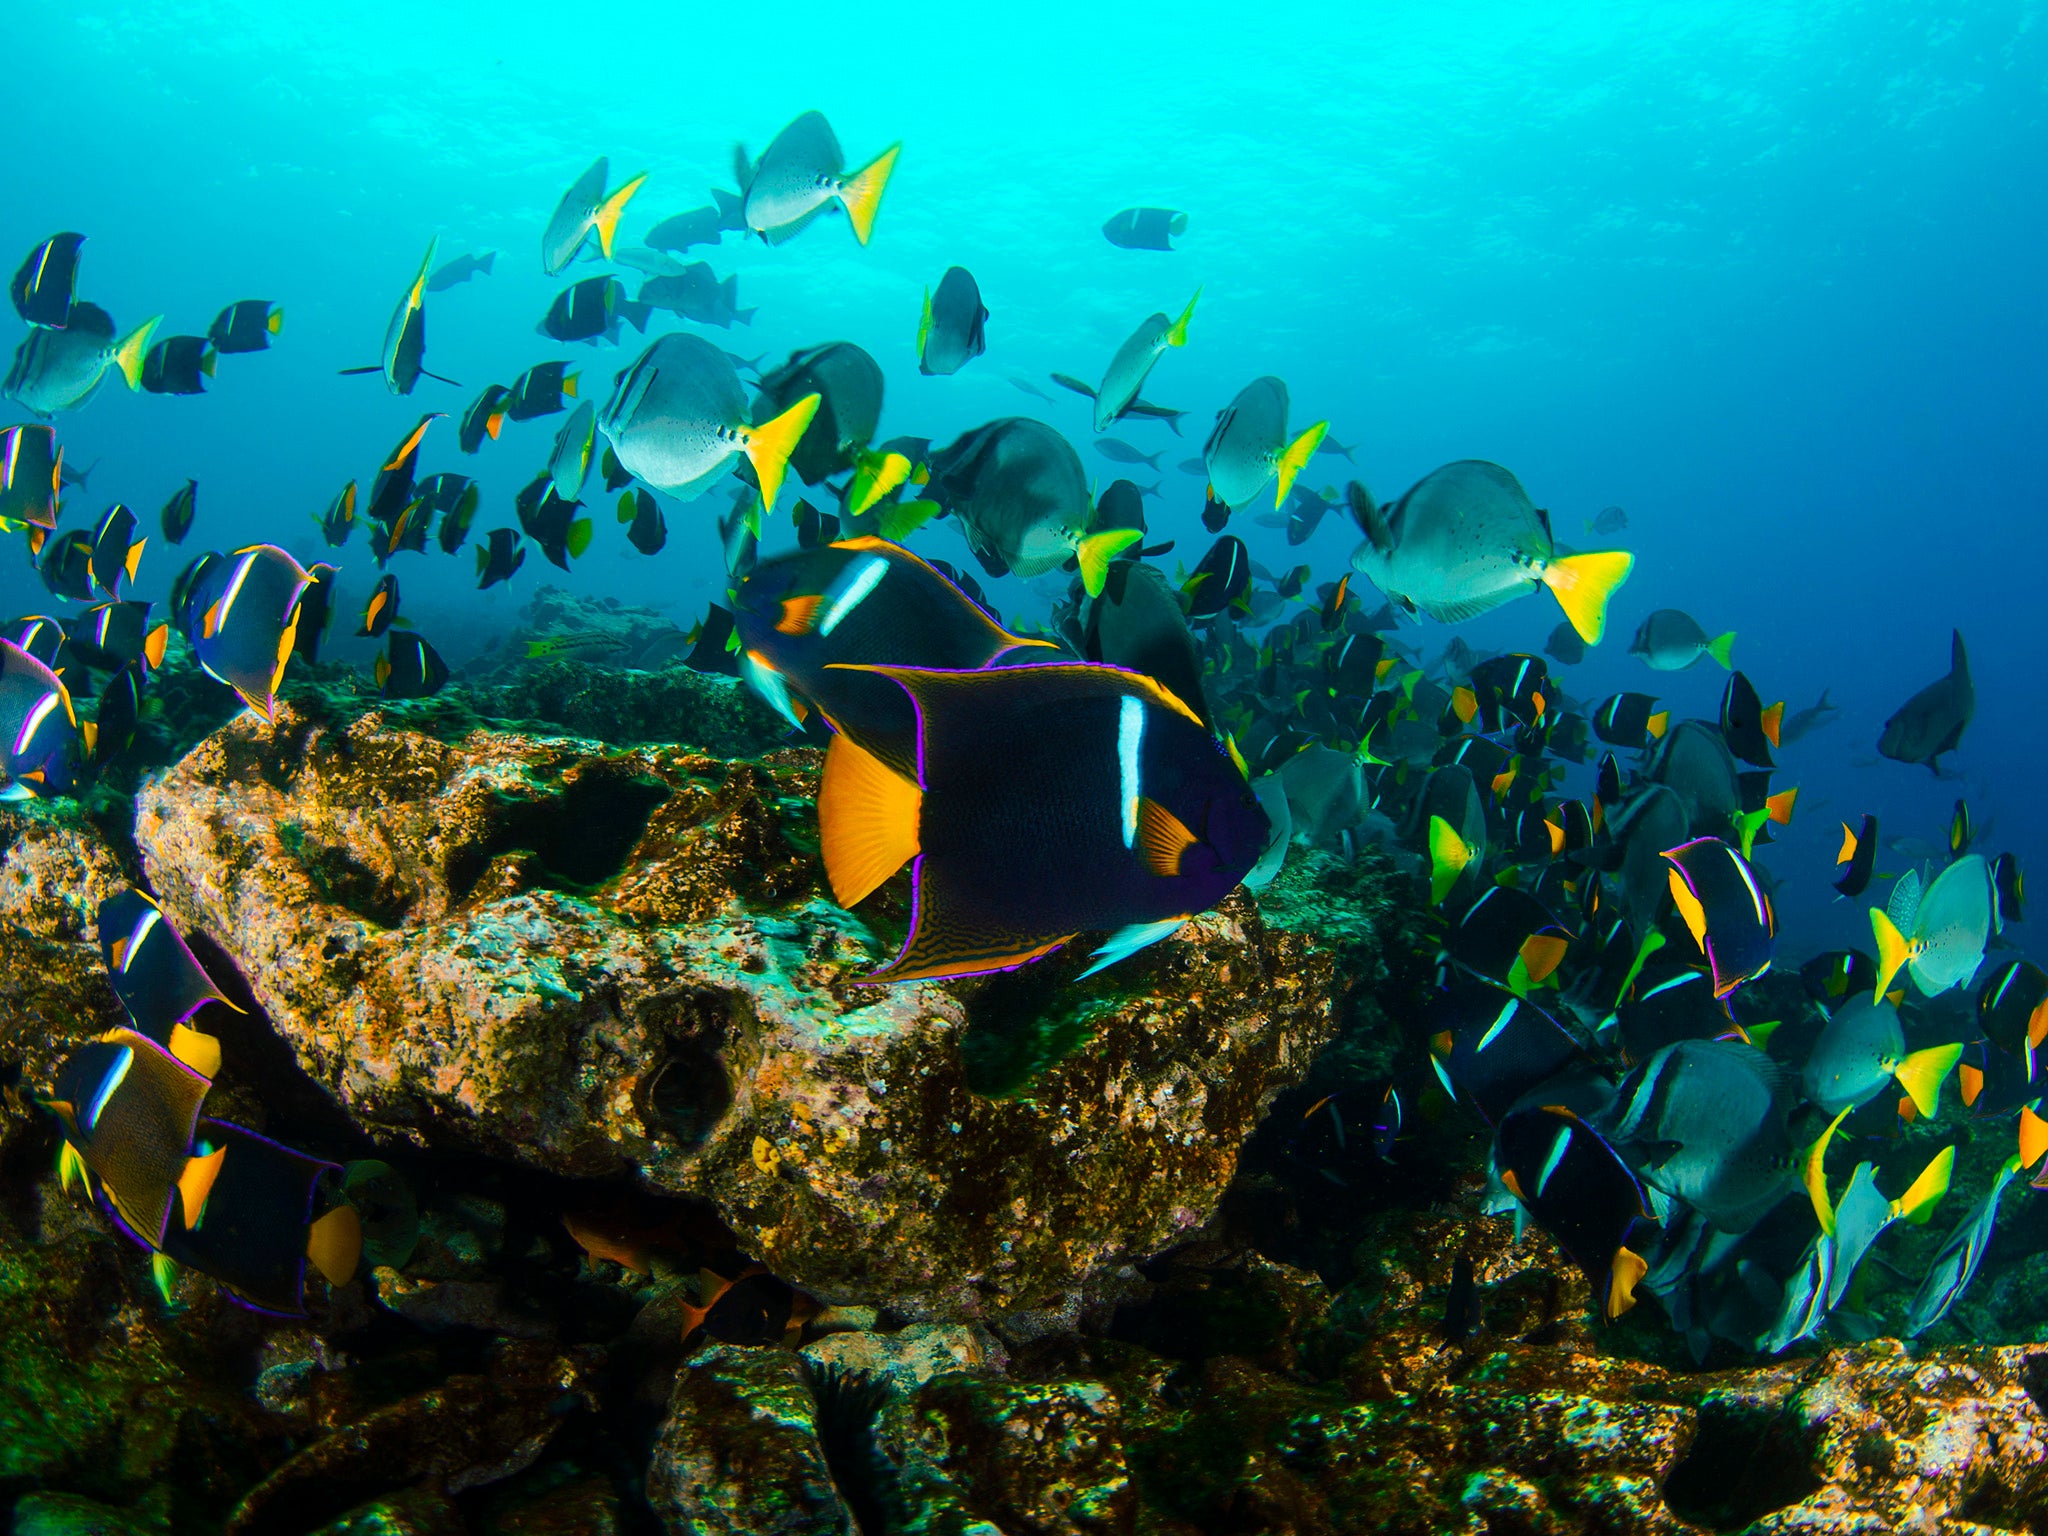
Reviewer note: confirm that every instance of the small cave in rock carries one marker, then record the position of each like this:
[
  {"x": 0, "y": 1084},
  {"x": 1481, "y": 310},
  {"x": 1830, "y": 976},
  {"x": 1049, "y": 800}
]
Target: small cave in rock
[
  {"x": 685, "y": 1093},
  {"x": 578, "y": 839},
  {"x": 1744, "y": 1464}
]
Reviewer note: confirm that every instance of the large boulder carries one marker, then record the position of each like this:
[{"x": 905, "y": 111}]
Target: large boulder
[{"x": 595, "y": 961}]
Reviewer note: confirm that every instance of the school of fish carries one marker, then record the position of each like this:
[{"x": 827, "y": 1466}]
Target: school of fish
[{"x": 1688, "y": 1113}]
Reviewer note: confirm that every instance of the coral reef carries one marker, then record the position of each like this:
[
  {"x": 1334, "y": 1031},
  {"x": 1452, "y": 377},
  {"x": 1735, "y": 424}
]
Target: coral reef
[
  {"x": 711, "y": 1237},
  {"x": 56, "y": 866}
]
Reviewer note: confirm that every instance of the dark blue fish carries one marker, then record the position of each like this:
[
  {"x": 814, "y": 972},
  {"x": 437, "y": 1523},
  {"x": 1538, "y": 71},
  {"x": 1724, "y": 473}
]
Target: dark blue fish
[
  {"x": 43, "y": 284},
  {"x": 1050, "y": 801},
  {"x": 39, "y": 734},
  {"x": 1145, "y": 229},
  {"x": 246, "y": 326},
  {"x": 812, "y": 626}
]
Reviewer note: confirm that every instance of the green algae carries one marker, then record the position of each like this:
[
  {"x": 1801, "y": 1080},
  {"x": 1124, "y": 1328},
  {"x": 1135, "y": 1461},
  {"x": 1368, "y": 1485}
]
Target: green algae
[{"x": 91, "y": 1400}]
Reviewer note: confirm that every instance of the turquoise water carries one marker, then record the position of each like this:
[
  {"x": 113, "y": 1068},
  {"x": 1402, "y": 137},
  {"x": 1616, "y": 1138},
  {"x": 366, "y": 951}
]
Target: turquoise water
[{"x": 1766, "y": 276}]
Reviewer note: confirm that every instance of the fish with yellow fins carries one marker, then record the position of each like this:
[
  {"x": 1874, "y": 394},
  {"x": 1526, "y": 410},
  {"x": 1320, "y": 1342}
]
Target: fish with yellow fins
[
  {"x": 59, "y": 370},
  {"x": 244, "y": 614},
  {"x": 1466, "y": 538},
  {"x": 678, "y": 419},
  {"x": 1937, "y": 936},
  {"x": 586, "y": 209},
  {"x": 802, "y": 174},
  {"x": 403, "y": 362},
  {"x": 811, "y": 623},
  {"x": 1249, "y": 446},
  {"x": 193, "y": 1191}
]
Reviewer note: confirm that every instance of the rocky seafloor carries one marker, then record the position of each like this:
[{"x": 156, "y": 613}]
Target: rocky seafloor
[{"x": 1021, "y": 1254}]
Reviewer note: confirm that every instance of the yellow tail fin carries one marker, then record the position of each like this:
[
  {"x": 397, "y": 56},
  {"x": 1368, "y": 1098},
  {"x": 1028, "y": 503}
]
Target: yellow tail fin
[
  {"x": 875, "y": 476},
  {"x": 1582, "y": 584},
  {"x": 1780, "y": 805},
  {"x": 1448, "y": 856},
  {"x": 1721, "y": 647},
  {"x": 1893, "y": 951},
  {"x": 1922, "y": 1074},
  {"x": 2033, "y": 1136},
  {"x": 1294, "y": 458},
  {"x": 334, "y": 1244},
  {"x": 134, "y": 347},
  {"x": 1817, "y": 1176},
  {"x": 1747, "y": 825},
  {"x": 197, "y": 1049},
  {"x": 1097, "y": 550},
  {"x": 1177, "y": 333},
  {"x": 862, "y": 191},
  {"x": 1628, "y": 1268},
  {"x": 769, "y": 446},
  {"x": 900, "y": 521},
  {"x": 1918, "y": 1202},
  {"x": 275, "y": 322},
  {"x": 418, "y": 294},
  {"x": 195, "y": 1184},
  {"x": 924, "y": 335},
  {"x": 606, "y": 219},
  {"x": 868, "y": 817}
]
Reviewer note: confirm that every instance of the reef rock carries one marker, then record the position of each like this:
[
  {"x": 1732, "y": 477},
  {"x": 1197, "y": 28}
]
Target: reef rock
[
  {"x": 1532, "y": 1423},
  {"x": 55, "y": 869},
  {"x": 597, "y": 960}
]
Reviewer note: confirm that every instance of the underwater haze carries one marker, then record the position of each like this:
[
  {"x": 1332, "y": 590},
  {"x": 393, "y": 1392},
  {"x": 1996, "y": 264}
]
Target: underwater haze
[
  {"x": 1439, "y": 861},
  {"x": 1766, "y": 276}
]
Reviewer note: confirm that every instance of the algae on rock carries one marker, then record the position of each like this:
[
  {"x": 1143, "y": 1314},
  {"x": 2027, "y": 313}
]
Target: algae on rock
[{"x": 599, "y": 960}]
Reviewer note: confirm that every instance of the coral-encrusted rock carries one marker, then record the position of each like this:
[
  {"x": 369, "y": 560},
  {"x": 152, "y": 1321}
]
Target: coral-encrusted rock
[
  {"x": 1898, "y": 1444},
  {"x": 597, "y": 960},
  {"x": 55, "y": 869},
  {"x": 739, "y": 1454},
  {"x": 467, "y": 1432}
]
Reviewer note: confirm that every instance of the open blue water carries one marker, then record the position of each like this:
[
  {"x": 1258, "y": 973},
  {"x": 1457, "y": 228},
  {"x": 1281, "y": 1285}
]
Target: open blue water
[{"x": 1767, "y": 276}]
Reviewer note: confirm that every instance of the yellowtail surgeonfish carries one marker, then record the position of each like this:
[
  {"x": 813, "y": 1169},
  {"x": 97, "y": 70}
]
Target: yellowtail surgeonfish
[{"x": 1466, "y": 539}]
